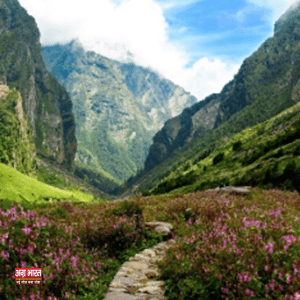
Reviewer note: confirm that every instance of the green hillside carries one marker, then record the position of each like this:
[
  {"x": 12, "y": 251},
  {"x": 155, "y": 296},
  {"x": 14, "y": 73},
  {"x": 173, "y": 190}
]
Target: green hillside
[
  {"x": 265, "y": 155},
  {"x": 96, "y": 177},
  {"x": 17, "y": 147},
  {"x": 17, "y": 187}
]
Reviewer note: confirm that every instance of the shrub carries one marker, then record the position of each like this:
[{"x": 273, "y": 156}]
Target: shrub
[
  {"x": 186, "y": 166},
  {"x": 128, "y": 208},
  {"x": 267, "y": 177},
  {"x": 237, "y": 146},
  {"x": 279, "y": 153},
  {"x": 60, "y": 212},
  {"x": 202, "y": 156},
  {"x": 175, "y": 183},
  {"x": 290, "y": 170},
  {"x": 218, "y": 158},
  {"x": 297, "y": 151},
  {"x": 252, "y": 157}
]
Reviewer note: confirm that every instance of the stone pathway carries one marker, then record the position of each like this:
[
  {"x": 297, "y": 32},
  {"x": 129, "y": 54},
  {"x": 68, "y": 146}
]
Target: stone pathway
[{"x": 135, "y": 280}]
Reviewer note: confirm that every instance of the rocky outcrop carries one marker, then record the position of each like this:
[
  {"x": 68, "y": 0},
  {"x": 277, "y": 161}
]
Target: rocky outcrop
[
  {"x": 118, "y": 107},
  {"x": 45, "y": 102},
  {"x": 266, "y": 84},
  {"x": 137, "y": 278},
  {"x": 178, "y": 131}
]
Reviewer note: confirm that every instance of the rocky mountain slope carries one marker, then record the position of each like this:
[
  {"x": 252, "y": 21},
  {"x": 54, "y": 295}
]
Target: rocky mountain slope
[
  {"x": 267, "y": 83},
  {"x": 45, "y": 102},
  {"x": 118, "y": 107}
]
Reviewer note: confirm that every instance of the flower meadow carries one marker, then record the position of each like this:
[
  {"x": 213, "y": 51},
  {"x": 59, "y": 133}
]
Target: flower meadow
[
  {"x": 228, "y": 246},
  {"x": 234, "y": 247},
  {"x": 79, "y": 247}
]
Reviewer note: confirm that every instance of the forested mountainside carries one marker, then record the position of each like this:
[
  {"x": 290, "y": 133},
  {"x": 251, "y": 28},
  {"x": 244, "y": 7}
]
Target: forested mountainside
[
  {"x": 267, "y": 83},
  {"x": 17, "y": 148},
  {"x": 118, "y": 107},
  {"x": 45, "y": 102}
]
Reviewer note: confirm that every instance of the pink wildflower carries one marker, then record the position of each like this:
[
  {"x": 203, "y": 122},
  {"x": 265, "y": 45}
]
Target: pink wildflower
[
  {"x": 4, "y": 255},
  {"x": 297, "y": 296},
  {"x": 4, "y": 238},
  {"x": 266, "y": 268},
  {"x": 269, "y": 247},
  {"x": 27, "y": 230}
]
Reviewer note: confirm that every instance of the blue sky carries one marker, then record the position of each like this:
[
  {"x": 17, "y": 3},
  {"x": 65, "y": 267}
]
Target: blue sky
[
  {"x": 198, "y": 44},
  {"x": 228, "y": 29}
]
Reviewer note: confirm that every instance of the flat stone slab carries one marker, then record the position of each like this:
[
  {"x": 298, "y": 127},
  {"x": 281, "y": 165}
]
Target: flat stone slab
[
  {"x": 156, "y": 283},
  {"x": 149, "y": 253},
  {"x": 135, "y": 265},
  {"x": 120, "y": 296},
  {"x": 150, "y": 290},
  {"x": 122, "y": 281}
]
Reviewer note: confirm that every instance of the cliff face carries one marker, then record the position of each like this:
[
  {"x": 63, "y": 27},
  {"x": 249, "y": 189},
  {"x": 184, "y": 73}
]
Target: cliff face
[
  {"x": 267, "y": 82},
  {"x": 45, "y": 101},
  {"x": 118, "y": 107}
]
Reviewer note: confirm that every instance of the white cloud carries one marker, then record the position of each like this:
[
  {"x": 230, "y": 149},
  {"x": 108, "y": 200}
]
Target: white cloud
[
  {"x": 115, "y": 27},
  {"x": 209, "y": 76},
  {"x": 170, "y": 4}
]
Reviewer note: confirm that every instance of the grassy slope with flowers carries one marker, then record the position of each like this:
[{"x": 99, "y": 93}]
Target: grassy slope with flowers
[
  {"x": 80, "y": 246},
  {"x": 229, "y": 246}
]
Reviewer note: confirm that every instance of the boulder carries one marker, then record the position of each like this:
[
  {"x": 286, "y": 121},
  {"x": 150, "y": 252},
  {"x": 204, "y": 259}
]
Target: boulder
[
  {"x": 161, "y": 227},
  {"x": 245, "y": 190}
]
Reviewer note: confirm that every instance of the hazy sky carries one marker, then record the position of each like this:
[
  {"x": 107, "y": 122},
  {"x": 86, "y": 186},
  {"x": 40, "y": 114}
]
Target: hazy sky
[{"x": 198, "y": 44}]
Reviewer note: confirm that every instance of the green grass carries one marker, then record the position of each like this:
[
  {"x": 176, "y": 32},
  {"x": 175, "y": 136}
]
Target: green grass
[
  {"x": 16, "y": 142},
  {"x": 15, "y": 186}
]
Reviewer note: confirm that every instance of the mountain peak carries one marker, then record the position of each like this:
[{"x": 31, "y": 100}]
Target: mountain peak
[
  {"x": 290, "y": 16},
  {"x": 76, "y": 46},
  {"x": 118, "y": 107}
]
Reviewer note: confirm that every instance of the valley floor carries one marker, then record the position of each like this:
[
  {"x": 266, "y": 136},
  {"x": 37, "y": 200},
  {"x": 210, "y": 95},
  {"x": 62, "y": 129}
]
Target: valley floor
[{"x": 228, "y": 244}]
